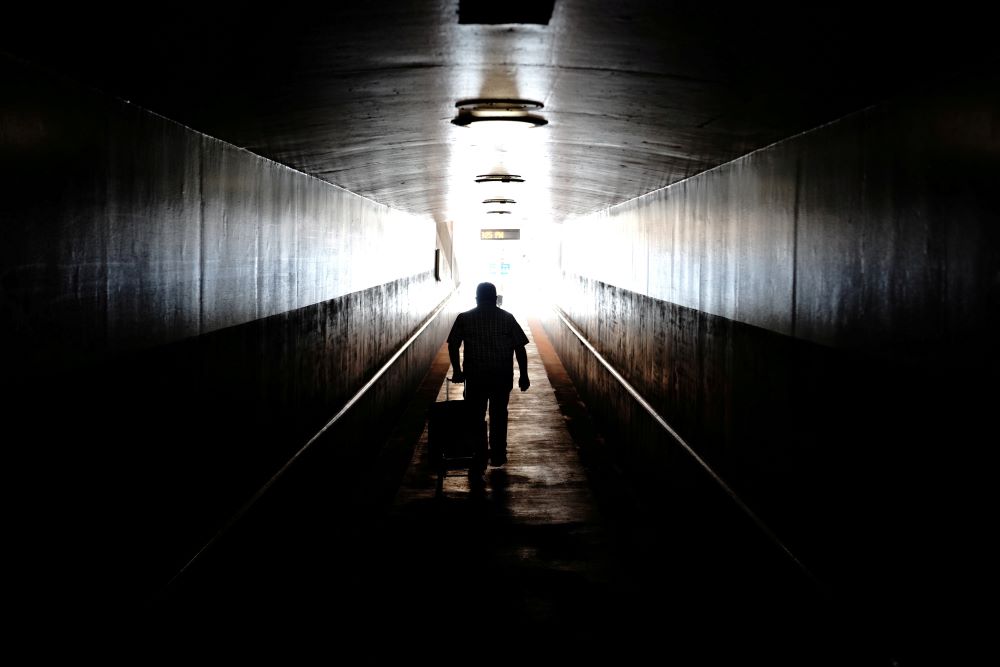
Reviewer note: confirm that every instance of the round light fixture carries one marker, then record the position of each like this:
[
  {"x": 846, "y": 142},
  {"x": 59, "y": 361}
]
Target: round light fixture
[
  {"x": 513, "y": 112},
  {"x": 499, "y": 178},
  {"x": 500, "y": 212},
  {"x": 499, "y": 201}
]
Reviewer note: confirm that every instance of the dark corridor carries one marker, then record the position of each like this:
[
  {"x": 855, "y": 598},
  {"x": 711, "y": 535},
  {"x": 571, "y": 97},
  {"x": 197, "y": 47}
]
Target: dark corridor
[{"x": 758, "y": 244}]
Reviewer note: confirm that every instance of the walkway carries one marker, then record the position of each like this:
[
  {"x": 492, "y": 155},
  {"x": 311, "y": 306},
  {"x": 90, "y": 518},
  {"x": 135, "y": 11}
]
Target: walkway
[
  {"x": 526, "y": 561},
  {"x": 556, "y": 561}
]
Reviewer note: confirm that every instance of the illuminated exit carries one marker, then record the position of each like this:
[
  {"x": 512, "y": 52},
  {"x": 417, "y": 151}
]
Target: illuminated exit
[
  {"x": 499, "y": 234},
  {"x": 500, "y": 259}
]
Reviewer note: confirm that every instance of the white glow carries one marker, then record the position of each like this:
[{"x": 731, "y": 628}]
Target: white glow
[
  {"x": 500, "y": 113},
  {"x": 499, "y": 147},
  {"x": 500, "y": 127},
  {"x": 496, "y": 149},
  {"x": 525, "y": 271}
]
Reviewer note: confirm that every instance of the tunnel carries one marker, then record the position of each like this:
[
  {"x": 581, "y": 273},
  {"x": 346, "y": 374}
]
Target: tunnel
[{"x": 755, "y": 249}]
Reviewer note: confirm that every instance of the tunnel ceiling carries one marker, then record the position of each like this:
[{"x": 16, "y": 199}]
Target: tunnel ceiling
[{"x": 637, "y": 94}]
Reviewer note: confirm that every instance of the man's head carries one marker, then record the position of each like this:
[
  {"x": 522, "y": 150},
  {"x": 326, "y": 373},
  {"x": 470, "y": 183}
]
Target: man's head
[{"x": 486, "y": 294}]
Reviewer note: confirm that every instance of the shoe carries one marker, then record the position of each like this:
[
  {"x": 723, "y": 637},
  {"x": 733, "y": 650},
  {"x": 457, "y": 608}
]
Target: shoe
[
  {"x": 497, "y": 459},
  {"x": 477, "y": 480}
]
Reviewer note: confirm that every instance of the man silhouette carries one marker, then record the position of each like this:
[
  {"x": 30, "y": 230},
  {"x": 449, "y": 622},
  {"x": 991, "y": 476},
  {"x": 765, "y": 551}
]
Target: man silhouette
[{"x": 492, "y": 338}]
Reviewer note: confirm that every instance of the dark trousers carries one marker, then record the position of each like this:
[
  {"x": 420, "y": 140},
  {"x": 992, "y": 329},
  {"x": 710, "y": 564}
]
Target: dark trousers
[{"x": 483, "y": 393}]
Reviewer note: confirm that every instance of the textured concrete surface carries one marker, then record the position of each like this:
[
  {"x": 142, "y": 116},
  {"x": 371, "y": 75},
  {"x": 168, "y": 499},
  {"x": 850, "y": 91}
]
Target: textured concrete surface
[
  {"x": 179, "y": 316},
  {"x": 818, "y": 319},
  {"x": 638, "y": 94}
]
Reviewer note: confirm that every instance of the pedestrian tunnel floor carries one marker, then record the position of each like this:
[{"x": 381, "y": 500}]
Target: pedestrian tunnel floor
[
  {"x": 556, "y": 560},
  {"x": 529, "y": 549}
]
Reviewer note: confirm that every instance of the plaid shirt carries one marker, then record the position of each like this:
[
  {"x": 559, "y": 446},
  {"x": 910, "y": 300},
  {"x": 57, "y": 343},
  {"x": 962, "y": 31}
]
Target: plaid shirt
[{"x": 490, "y": 335}]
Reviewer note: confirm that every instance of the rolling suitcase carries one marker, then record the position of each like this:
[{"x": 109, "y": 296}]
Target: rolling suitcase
[{"x": 452, "y": 435}]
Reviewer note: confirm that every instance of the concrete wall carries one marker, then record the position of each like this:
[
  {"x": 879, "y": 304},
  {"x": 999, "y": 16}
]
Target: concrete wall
[
  {"x": 179, "y": 318},
  {"x": 818, "y": 320}
]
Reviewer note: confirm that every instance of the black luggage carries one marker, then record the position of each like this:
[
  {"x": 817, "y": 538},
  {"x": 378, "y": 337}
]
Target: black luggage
[{"x": 453, "y": 435}]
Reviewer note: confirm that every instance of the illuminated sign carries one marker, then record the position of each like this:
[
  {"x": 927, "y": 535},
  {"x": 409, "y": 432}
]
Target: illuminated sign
[{"x": 499, "y": 234}]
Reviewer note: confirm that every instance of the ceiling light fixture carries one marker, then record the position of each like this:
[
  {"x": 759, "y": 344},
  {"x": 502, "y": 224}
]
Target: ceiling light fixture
[
  {"x": 499, "y": 178},
  {"x": 501, "y": 212},
  {"x": 499, "y": 201},
  {"x": 512, "y": 112}
]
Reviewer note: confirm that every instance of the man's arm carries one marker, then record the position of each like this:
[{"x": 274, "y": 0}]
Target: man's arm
[
  {"x": 456, "y": 365},
  {"x": 454, "y": 343},
  {"x": 522, "y": 363}
]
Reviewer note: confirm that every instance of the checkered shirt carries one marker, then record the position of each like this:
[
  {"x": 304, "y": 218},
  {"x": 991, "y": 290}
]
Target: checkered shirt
[{"x": 490, "y": 335}]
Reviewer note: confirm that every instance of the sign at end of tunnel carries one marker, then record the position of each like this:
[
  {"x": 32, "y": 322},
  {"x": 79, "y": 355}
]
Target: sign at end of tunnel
[{"x": 499, "y": 234}]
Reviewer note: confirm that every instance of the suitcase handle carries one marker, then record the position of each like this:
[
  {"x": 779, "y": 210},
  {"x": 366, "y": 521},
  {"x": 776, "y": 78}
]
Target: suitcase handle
[{"x": 447, "y": 387}]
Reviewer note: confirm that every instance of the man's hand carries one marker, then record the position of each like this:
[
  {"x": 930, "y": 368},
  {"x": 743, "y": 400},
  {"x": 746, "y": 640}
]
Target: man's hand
[
  {"x": 522, "y": 365},
  {"x": 458, "y": 377}
]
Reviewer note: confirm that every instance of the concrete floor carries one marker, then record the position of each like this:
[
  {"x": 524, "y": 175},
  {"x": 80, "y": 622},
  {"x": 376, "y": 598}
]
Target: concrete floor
[
  {"x": 556, "y": 560},
  {"x": 530, "y": 550}
]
